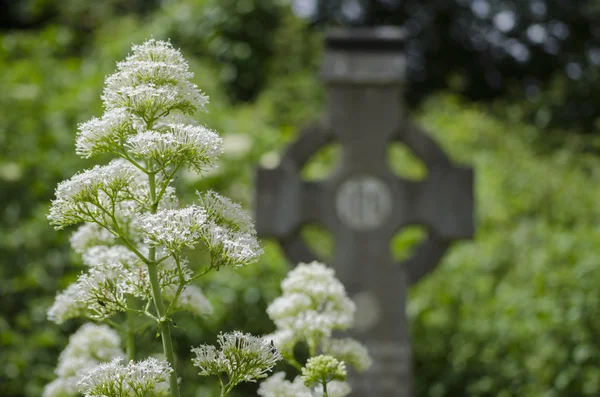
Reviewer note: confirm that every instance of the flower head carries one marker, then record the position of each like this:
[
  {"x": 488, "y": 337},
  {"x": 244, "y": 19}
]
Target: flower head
[
  {"x": 89, "y": 235},
  {"x": 91, "y": 345},
  {"x": 322, "y": 370},
  {"x": 106, "y": 134},
  {"x": 195, "y": 146},
  {"x": 153, "y": 81},
  {"x": 175, "y": 229},
  {"x": 88, "y": 195},
  {"x": 113, "y": 379},
  {"x": 229, "y": 233},
  {"x": 243, "y": 357},
  {"x": 313, "y": 304}
]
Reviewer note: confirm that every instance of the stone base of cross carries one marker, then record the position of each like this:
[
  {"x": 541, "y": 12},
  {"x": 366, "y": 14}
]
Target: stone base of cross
[{"x": 364, "y": 204}]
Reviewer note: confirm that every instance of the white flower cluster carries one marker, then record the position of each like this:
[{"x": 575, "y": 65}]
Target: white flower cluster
[
  {"x": 89, "y": 235},
  {"x": 90, "y": 195},
  {"x": 104, "y": 135},
  {"x": 223, "y": 226},
  {"x": 134, "y": 231},
  {"x": 229, "y": 232},
  {"x": 174, "y": 229},
  {"x": 278, "y": 386},
  {"x": 90, "y": 346},
  {"x": 313, "y": 304},
  {"x": 144, "y": 378},
  {"x": 153, "y": 81},
  {"x": 243, "y": 357},
  {"x": 195, "y": 146},
  {"x": 323, "y": 369}
]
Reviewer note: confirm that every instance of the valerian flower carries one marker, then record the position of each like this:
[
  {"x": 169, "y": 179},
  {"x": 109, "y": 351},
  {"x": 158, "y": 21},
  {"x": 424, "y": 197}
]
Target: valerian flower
[
  {"x": 195, "y": 146},
  {"x": 323, "y": 369},
  {"x": 106, "y": 134},
  {"x": 242, "y": 357},
  {"x": 89, "y": 195},
  {"x": 152, "y": 82},
  {"x": 313, "y": 304},
  {"x": 144, "y": 378},
  {"x": 91, "y": 345}
]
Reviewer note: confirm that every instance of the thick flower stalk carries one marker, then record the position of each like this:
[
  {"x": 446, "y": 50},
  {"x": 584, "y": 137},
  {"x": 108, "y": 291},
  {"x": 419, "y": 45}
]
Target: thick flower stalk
[
  {"x": 313, "y": 305},
  {"x": 133, "y": 234}
]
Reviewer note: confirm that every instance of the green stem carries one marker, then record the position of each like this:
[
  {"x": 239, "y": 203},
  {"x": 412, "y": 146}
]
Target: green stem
[
  {"x": 130, "y": 337},
  {"x": 164, "y": 323},
  {"x": 324, "y": 389}
]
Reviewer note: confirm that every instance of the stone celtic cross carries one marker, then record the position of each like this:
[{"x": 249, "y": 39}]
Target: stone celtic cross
[{"x": 364, "y": 204}]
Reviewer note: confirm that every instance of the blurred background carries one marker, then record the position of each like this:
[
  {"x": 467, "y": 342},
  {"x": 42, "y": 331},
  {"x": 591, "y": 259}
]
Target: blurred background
[{"x": 510, "y": 87}]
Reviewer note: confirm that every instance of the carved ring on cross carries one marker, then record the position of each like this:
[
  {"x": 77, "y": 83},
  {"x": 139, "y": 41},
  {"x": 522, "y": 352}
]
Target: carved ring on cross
[{"x": 442, "y": 202}]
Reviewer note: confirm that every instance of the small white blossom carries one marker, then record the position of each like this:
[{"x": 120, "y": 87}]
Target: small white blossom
[
  {"x": 91, "y": 345},
  {"x": 85, "y": 196},
  {"x": 243, "y": 357},
  {"x": 104, "y": 135},
  {"x": 112, "y": 379},
  {"x": 66, "y": 306},
  {"x": 313, "y": 304},
  {"x": 89, "y": 235},
  {"x": 152, "y": 82},
  {"x": 277, "y": 386},
  {"x": 350, "y": 351},
  {"x": 195, "y": 146},
  {"x": 102, "y": 255},
  {"x": 225, "y": 212},
  {"x": 229, "y": 233},
  {"x": 322, "y": 370},
  {"x": 175, "y": 229}
]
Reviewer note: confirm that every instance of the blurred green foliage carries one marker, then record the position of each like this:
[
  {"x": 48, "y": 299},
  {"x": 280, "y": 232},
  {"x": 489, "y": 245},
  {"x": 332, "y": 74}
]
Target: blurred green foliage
[
  {"x": 515, "y": 312},
  {"x": 512, "y": 313}
]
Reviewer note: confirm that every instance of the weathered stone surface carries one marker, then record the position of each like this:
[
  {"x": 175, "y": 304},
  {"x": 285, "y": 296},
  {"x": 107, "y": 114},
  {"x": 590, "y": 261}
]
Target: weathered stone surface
[{"x": 363, "y": 203}]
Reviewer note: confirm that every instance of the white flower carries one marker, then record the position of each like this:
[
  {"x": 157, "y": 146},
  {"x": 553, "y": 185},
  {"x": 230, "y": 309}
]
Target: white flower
[
  {"x": 243, "y": 357},
  {"x": 196, "y": 146},
  {"x": 229, "y": 233},
  {"x": 191, "y": 299},
  {"x": 104, "y": 135},
  {"x": 61, "y": 387},
  {"x": 135, "y": 379},
  {"x": 102, "y": 255},
  {"x": 225, "y": 212},
  {"x": 152, "y": 82},
  {"x": 350, "y": 351},
  {"x": 66, "y": 306},
  {"x": 91, "y": 345},
  {"x": 175, "y": 229},
  {"x": 313, "y": 304},
  {"x": 277, "y": 386},
  {"x": 89, "y": 235},
  {"x": 91, "y": 342},
  {"x": 323, "y": 369},
  {"x": 87, "y": 195}
]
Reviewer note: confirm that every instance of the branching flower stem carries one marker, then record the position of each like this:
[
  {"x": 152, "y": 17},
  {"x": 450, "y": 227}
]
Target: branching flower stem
[{"x": 164, "y": 323}]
